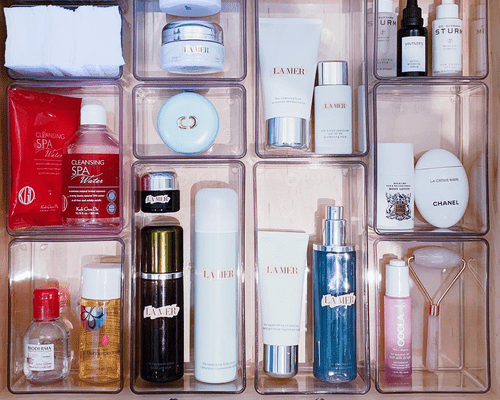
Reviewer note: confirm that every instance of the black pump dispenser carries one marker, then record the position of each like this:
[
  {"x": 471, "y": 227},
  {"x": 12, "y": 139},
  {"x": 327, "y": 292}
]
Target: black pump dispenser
[{"x": 412, "y": 14}]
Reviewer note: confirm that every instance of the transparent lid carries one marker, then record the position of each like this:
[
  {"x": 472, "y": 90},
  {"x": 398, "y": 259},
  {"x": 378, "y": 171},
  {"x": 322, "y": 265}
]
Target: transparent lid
[
  {"x": 192, "y": 30},
  {"x": 159, "y": 181}
]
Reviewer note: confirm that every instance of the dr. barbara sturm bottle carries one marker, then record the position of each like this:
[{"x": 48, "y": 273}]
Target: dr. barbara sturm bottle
[
  {"x": 412, "y": 42},
  {"x": 447, "y": 40},
  {"x": 397, "y": 318},
  {"x": 91, "y": 171}
]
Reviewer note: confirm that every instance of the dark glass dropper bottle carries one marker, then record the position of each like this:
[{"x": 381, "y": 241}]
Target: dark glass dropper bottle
[{"x": 412, "y": 42}]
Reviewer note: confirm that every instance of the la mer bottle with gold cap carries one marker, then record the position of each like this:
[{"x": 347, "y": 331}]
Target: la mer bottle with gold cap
[
  {"x": 332, "y": 109},
  {"x": 161, "y": 309},
  {"x": 100, "y": 344}
]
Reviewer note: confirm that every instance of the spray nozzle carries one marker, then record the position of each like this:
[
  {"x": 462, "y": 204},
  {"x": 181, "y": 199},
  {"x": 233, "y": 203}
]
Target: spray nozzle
[{"x": 334, "y": 233}]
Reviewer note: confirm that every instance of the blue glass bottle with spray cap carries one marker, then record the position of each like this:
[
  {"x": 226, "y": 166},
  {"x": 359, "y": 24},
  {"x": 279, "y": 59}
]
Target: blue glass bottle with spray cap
[{"x": 334, "y": 276}]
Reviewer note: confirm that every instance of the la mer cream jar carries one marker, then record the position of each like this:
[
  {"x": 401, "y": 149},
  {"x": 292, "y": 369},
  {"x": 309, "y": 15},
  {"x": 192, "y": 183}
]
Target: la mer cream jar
[{"x": 192, "y": 47}]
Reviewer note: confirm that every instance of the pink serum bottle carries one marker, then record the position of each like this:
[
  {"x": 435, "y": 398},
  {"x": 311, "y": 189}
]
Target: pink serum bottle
[
  {"x": 91, "y": 171},
  {"x": 397, "y": 316}
]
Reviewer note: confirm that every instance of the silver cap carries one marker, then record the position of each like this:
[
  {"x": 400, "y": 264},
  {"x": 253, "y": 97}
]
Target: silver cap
[
  {"x": 332, "y": 73},
  {"x": 192, "y": 30},
  {"x": 280, "y": 361},
  {"x": 159, "y": 181},
  {"x": 334, "y": 232},
  {"x": 287, "y": 132}
]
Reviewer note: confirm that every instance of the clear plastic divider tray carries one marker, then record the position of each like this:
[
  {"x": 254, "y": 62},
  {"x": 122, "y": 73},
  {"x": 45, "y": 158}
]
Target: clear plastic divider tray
[
  {"x": 191, "y": 177},
  {"x": 292, "y": 197},
  {"x": 463, "y": 359}
]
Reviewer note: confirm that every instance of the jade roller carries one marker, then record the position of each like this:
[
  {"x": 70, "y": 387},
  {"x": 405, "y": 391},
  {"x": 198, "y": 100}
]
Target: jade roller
[{"x": 438, "y": 258}]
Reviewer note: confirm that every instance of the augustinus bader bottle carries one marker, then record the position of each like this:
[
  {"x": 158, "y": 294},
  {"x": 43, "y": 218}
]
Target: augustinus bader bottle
[
  {"x": 161, "y": 309},
  {"x": 216, "y": 286},
  {"x": 334, "y": 280},
  {"x": 397, "y": 320},
  {"x": 91, "y": 171},
  {"x": 447, "y": 40},
  {"x": 45, "y": 341},
  {"x": 100, "y": 345},
  {"x": 412, "y": 42}
]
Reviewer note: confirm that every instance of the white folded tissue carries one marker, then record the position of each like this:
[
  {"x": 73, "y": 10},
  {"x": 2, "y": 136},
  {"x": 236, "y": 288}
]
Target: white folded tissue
[{"x": 56, "y": 41}]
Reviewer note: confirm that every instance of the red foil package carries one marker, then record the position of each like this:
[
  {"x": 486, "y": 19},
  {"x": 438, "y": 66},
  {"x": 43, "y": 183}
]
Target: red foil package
[{"x": 40, "y": 125}]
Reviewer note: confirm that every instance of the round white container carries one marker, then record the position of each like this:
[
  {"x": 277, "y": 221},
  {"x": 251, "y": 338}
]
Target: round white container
[{"x": 192, "y": 47}]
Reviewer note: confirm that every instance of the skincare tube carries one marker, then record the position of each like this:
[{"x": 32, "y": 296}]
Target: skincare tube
[
  {"x": 288, "y": 53},
  {"x": 282, "y": 258},
  {"x": 216, "y": 286}
]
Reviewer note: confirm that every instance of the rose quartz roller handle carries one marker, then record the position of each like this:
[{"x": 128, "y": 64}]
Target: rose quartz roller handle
[
  {"x": 436, "y": 257},
  {"x": 432, "y": 355}
]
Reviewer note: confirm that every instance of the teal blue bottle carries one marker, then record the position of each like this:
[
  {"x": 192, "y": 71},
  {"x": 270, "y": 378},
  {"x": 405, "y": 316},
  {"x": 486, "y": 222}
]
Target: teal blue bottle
[{"x": 334, "y": 279}]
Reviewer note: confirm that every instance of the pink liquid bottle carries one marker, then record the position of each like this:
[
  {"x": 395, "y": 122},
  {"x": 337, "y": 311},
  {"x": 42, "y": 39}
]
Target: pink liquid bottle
[
  {"x": 91, "y": 165},
  {"x": 397, "y": 317}
]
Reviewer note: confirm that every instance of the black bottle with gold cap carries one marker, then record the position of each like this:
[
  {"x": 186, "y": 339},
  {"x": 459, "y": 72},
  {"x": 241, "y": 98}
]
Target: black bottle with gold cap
[{"x": 161, "y": 308}]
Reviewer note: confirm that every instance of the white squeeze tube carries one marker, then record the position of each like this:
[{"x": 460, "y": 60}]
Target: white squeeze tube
[
  {"x": 282, "y": 259},
  {"x": 288, "y": 54},
  {"x": 216, "y": 286}
]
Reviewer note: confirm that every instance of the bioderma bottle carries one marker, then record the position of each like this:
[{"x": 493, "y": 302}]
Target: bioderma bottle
[{"x": 45, "y": 341}]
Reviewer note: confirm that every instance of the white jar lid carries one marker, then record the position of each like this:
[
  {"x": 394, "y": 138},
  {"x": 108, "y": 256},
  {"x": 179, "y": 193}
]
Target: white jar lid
[
  {"x": 192, "y": 30},
  {"x": 101, "y": 281},
  {"x": 395, "y": 159}
]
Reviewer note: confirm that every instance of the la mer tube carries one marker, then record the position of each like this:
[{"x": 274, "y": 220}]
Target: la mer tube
[
  {"x": 288, "y": 53},
  {"x": 397, "y": 317},
  {"x": 282, "y": 259}
]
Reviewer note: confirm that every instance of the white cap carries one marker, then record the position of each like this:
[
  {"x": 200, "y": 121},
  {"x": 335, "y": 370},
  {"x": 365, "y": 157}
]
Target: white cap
[
  {"x": 101, "y": 281},
  {"x": 385, "y": 6},
  {"x": 216, "y": 211},
  {"x": 447, "y": 9},
  {"x": 397, "y": 279},
  {"x": 395, "y": 159},
  {"x": 93, "y": 114}
]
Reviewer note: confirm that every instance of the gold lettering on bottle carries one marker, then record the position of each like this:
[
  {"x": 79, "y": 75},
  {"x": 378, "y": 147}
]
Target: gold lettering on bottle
[
  {"x": 334, "y": 105},
  {"x": 282, "y": 270},
  {"x": 288, "y": 71},
  {"x": 217, "y": 274}
]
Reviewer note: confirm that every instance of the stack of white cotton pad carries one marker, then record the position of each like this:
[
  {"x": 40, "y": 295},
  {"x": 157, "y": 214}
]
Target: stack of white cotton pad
[{"x": 56, "y": 41}]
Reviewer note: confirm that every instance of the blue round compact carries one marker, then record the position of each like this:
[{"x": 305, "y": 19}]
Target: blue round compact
[{"x": 188, "y": 123}]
